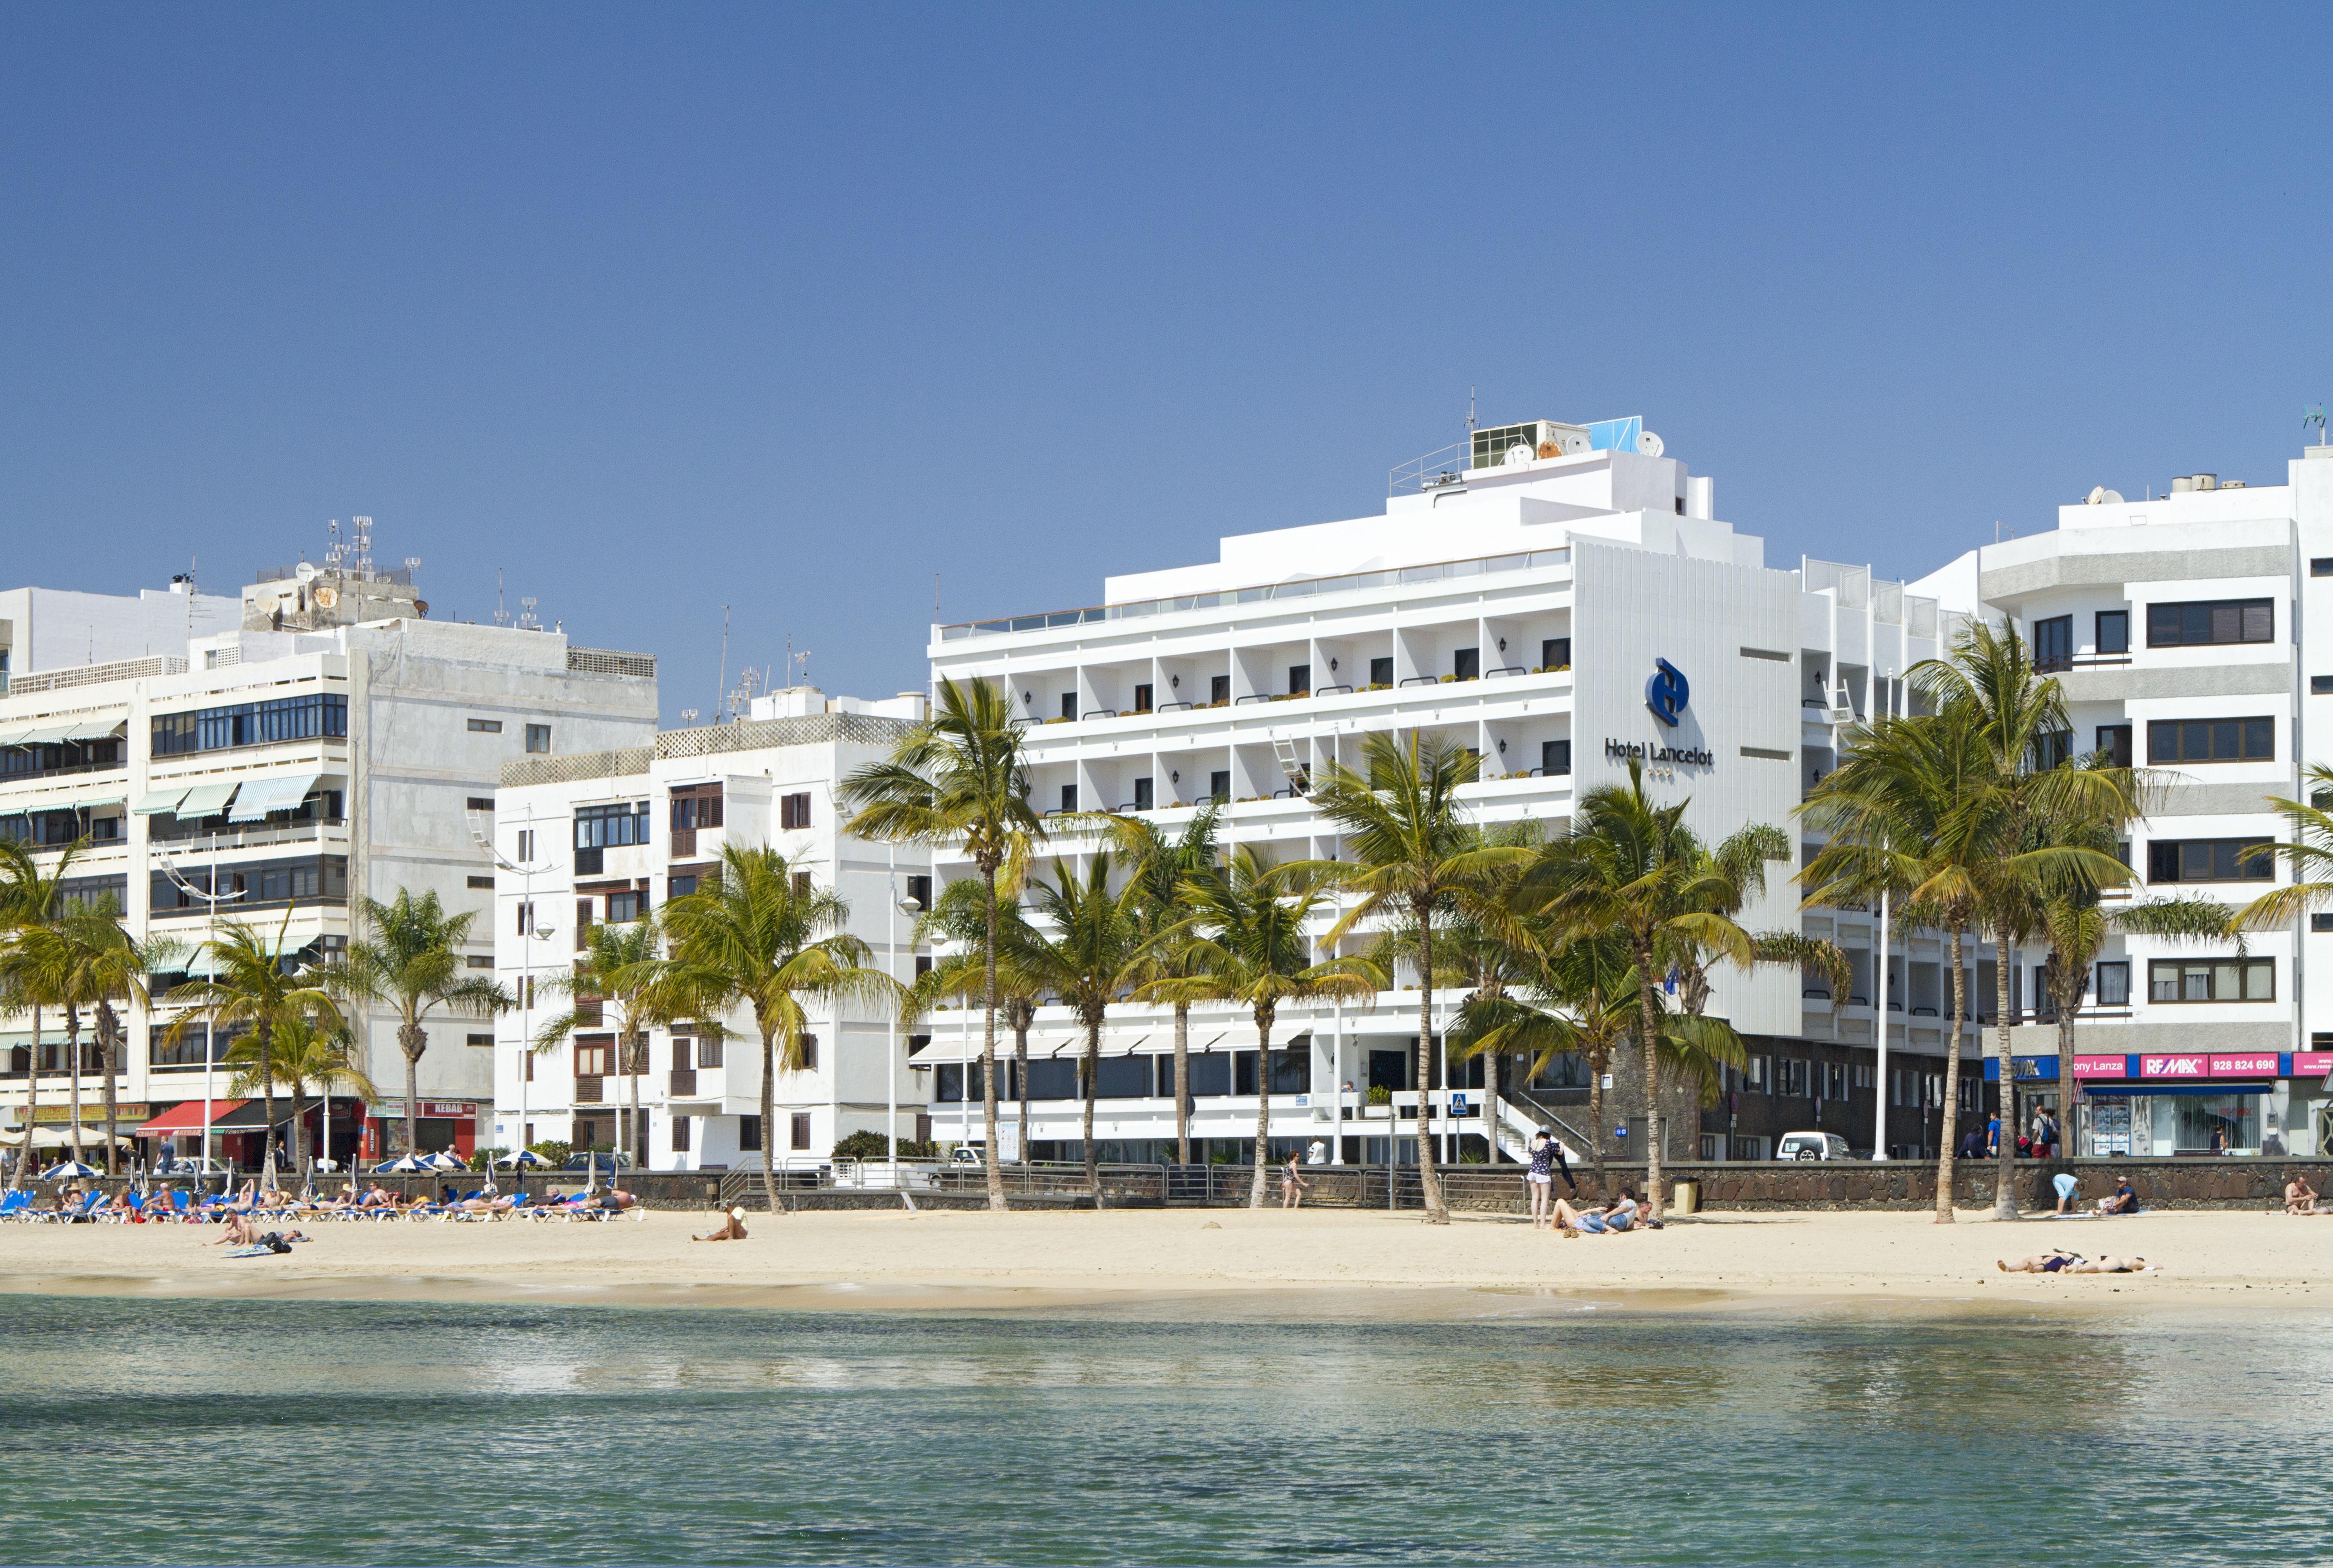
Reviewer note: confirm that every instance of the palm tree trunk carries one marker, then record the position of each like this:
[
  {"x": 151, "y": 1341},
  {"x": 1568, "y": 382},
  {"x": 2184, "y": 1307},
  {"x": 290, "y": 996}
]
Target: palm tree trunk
[
  {"x": 1182, "y": 1083},
  {"x": 412, "y": 1042},
  {"x": 1952, "y": 1087},
  {"x": 267, "y": 1094},
  {"x": 1648, "y": 1028},
  {"x": 72, "y": 1050},
  {"x": 2068, "y": 1006},
  {"x": 770, "y": 1118},
  {"x": 1263, "y": 1106},
  {"x": 988, "y": 1051},
  {"x": 2004, "y": 1179},
  {"x": 1429, "y": 1187},
  {"x": 1596, "y": 1065},
  {"x": 299, "y": 1126},
  {"x": 640, "y": 1130},
  {"x": 32, "y": 1101},
  {"x": 1021, "y": 1074},
  {"x": 1491, "y": 1105},
  {"x": 109, "y": 1039},
  {"x": 1093, "y": 1087}
]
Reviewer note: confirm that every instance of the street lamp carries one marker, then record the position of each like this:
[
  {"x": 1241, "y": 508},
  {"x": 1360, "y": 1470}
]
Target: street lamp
[
  {"x": 212, "y": 898},
  {"x": 484, "y": 840},
  {"x": 902, "y": 905}
]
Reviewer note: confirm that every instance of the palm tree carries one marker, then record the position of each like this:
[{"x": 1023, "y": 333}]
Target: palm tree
[
  {"x": 247, "y": 986},
  {"x": 2308, "y": 854},
  {"x": 2046, "y": 808},
  {"x": 303, "y": 1049},
  {"x": 960, "y": 916},
  {"x": 1254, "y": 953},
  {"x": 620, "y": 964},
  {"x": 1576, "y": 997},
  {"x": 30, "y": 900},
  {"x": 751, "y": 937},
  {"x": 1162, "y": 866},
  {"x": 1089, "y": 950},
  {"x": 84, "y": 960},
  {"x": 411, "y": 964},
  {"x": 1415, "y": 857},
  {"x": 958, "y": 779},
  {"x": 1633, "y": 868}
]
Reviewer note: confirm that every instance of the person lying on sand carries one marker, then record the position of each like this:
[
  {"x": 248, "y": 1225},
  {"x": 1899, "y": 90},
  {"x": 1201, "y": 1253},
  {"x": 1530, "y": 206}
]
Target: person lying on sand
[
  {"x": 237, "y": 1231},
  {"x": 2063, "y": 1262},
  {"x": 2299, "y": 1197},
  {"x": 732, "y": 1227},
  {"x": 1596, "y": 1221},
  {"x": 2057, "y": 1260}
]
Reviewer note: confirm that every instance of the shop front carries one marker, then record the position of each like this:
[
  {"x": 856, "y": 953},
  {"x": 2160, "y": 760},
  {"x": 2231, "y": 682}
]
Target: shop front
[
  {"x": 440, "y": 1124},
  {"x": 2264, "y": 1102}
]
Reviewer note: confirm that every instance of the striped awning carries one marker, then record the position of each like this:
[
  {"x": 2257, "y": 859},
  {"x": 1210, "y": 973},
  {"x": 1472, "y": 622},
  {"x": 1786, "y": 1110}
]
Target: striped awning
[
  {"x": 155, "y": 802},
  {"x": 262, "y": 796},
  {"x": 206, "y": 799},
  {"x": 95, "y": 729},
  {"x": 49, "y": 736}
]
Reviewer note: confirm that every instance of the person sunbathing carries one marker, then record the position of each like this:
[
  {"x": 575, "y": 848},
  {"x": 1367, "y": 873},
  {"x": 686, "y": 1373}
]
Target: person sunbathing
[
  {"x": 237, "y": 1231},
  {"x": 378, "y": 1197},
  {"x": 2057, "y": 1260},
  {"x": 732, "y": 1227},
  {"x": 1597, "y": 1221},
  {"x": 2299, "y": 1197}
]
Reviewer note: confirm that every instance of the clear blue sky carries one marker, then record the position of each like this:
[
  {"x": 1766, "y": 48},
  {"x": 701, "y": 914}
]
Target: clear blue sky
[{"x": 662, "y": 308}]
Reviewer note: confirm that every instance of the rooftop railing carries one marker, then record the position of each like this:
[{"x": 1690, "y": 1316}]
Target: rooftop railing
[{"x": 1295, "y": 588}]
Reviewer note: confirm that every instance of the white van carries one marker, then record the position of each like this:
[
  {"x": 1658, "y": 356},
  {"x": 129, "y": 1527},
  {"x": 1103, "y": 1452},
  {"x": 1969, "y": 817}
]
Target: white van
[{"x": 1811, "y": 1146}]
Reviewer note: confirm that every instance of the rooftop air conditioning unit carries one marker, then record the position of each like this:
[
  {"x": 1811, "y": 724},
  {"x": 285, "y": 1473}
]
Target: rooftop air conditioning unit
[{"x": 1502, "y": 444}]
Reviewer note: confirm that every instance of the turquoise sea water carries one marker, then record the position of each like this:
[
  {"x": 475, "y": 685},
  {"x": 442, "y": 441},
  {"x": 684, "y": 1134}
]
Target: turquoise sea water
[{"x": 136, "y": 1431}]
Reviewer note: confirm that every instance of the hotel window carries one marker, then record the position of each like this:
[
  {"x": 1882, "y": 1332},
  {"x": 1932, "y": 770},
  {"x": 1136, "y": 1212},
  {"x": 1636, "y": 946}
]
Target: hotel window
[
  {"x": 680, "y": 1134},
  {"x": 1863, "y": 1079},
  {"x": 1069, "y": 797},
  {"x": 749, "y": 1134},
  {"x": 1791, "y": 1078},
  {"x": 802, "y": 1130},
  {"x": 1145, "y": 794},
  {"x": 2114, "y": 983},
  {"x": 702, "y": 809},
  {"x": 526, "y": 844},
  {"x": 793, "y": 811},
  {"x": 1219, "y": 688},
  {"x": 1219, "y": 786},
  {"x": 486, "y": 882},
  {"x": 2202, "y": 623},
  {"x": 1299, "y": 679},
  {"x": 1555, "y": 758},
  {"x": 623, "y": 908},
  {"x": 2236, "y": 979},
  {"x": 802, "y": 884},
  {"x": 526, "y": 918},
  {"x": 2320, "y": 923},
  {"x": 251, "y": 724},
  {"x": 1142, "y": 699},
  {"x": 2053, "y": 748},
  {"x": 1555, "y": 654},
  {"x": 485, "y": 726},
  {"x": 1381, "y": 672},
  {"x": 1760, "y": 1073},
  {"x": 2211, "y": 740},
  {"x": 538, "y": 737},
  {"x": 919, "y": 888},
  {"x": 595, "y": 1057},
  {"x": 2210, "y": 860},
  {"x": 2053, "y": 644},
  {"x": 808, "y": 1055},
  {"x": 2114, "y": 743},
  {"x": 708, "y": 1053},
  {"x": 479, "y": 961},
  {"x": 611, "y": 827},
  {"x": 1068, "y": 704},
  {"x": 2114, "y": 631},
  {"x": 1466, "y": 664},
  {"x": 484, "y": 1041},
  {"x": 479, "y": 803},
  {"x": 2320, "y": 566}
]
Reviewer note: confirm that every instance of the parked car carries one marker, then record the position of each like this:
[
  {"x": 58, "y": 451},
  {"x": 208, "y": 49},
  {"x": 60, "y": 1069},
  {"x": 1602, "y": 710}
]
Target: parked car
[
  {"x": 966, "y": 1154},
  {"x": 1811, "y": 1146}
]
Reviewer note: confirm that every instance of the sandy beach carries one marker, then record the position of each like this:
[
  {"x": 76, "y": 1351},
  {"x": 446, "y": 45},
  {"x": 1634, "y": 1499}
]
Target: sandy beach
[{"x": 1215, "y": 1261}]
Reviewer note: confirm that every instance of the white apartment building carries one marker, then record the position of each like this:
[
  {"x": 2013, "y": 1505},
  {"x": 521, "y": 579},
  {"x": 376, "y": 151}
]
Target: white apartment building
[
  {"x": 324, "y": 744},
  {"x": 1540, "y": 600},
  {"x": 613, "y": 835},
  {"x": 2193, "y": 633}
]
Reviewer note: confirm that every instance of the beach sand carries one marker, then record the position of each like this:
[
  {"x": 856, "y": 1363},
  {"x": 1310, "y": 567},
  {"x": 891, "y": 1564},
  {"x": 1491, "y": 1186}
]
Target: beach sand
[{"x": 1328, "y": 1263}]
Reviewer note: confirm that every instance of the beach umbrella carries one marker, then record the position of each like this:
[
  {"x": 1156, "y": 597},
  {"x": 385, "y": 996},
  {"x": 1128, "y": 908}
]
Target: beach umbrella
[
  {"x": 592, "y": 1173},
  {"x": 525, "y": 1157},
  {"x": 406, "y": 1166},
  {"x": 68, "y": 1170},
  {"x": 446, "y": 1159}
]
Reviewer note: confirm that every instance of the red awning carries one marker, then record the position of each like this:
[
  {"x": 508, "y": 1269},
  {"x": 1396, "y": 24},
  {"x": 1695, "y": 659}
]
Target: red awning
[{"x": 187, "y": 1118}]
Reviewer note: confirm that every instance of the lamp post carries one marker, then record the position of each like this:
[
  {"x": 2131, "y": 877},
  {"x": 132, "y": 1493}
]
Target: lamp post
[
  {"x": 212, "y": 898},
  {"x": 900, "y": 905},
  {"x": 484, "y": 840}
]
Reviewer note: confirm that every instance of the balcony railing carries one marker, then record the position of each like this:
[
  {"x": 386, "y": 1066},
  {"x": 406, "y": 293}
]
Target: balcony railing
[
  {"x": 248, "y": 838},
  {"x": 1302, "y": 587}
]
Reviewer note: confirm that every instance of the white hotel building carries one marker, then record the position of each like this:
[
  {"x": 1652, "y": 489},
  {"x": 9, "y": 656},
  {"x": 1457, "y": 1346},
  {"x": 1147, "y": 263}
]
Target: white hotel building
[
  {"x": 1516, "y": 604},
  {"x": 315, "y": 743},
  {"x": 2193, "y": 632}
]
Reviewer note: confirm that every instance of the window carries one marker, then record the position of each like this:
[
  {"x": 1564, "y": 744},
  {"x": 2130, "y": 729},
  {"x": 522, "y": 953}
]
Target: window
[
  {"x": 1791, "y": 1078},
  {"x": 485, "y": 726},
  {"x": 582, "y": 921},
  {"x": 680, "y": 1134},
  {"x": 2320, "y": 566},
  {"x": 1219, "y": 786},
  {"x": 1142, "y": 698},
  {"x": 793, "y": 811},
  {"x": 809, "y": 1054},
  {"x": 307, "y": 717},
  {"x": 919, "y": 888},
  {"x": 1760, "y": 1073},
  {"x": 800, "y": 882},
  {"x": 708, "y": 1053},
  {"x": 1381, "y": 672},
  {"x": 525, "y": 919},
  {"x": 2114, "y": 631},
  {"x": 2053, "y": 748},
  {"x": 1145, "y": 794},
  {"x": 1219, "y": 688},
  {"x": 2320, "y": 923},
  {"x": 1069, "y": 797},
  {"x": 526, "y": 844},
  {"x": 610, "y": 826},
  {"x": 1555, "y": 653},
  {"x": 595, "y": 1056},
  {"x": 1833, "y": 1076},
  {"x": 2210, "y": 860},
  {"x": 2237, "y": 980},
  {"x": 698, "y": 808},
  {"x": 749, "y": 1134},
  {"x": 1068, "y": 704},
  {"x": 1466, "y": 664},
  {"x": 484, "y": 1042},
  {"x": 538, "y": 737},
  {"x": 479, "y": 959},
  {"x": 802, "y": 1130},
  {"x": 2114, "y": 983},
  {"x": 480, "y": 803},
  {"x": 486, "y": 882},
  {"x": 1555, "y": 758},
  {"x": 623, "y": 908},
  {"x": 1863, "y": 1078},
  {"x": 2319, "y": 685},
  {"x": 2200, "y": 623},
  {"x": 2114, "y": 743},
  {"x": 2211, "y": 740},
  {"x": 679, "y": 887},
  {"x": 2053, "y": 644},
  {"x": 1299, "y": 679},
  {"x": 923, "y": 964}
]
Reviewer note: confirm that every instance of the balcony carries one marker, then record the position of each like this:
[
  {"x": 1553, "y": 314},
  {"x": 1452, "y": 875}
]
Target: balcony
[{"x": 249, "y": 837}]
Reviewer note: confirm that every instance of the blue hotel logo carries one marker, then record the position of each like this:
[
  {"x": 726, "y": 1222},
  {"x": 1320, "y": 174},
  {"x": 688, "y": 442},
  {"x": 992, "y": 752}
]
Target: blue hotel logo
[{"x": 1666, "y": 692}]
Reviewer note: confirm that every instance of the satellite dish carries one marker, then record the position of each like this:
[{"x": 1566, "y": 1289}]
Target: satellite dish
[
  {"x": 1650, "y": 445},
  {"x": 1518, "y": 455},
  {"x": 327, "y": 596},
  {"x": 2100, "y": 496},
  {"x": 305, "y": 571}
]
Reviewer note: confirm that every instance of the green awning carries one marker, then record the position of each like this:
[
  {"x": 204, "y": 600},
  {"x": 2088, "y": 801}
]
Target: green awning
[
  {"x": 101, "y": 800},
  {"x": 95, "y": 729},
  {"x": 208, "y": 799},
  {"x": 262, "y": 796},
  {"x": 155, "y": 802},
  {"x": 47, "y": 737}
]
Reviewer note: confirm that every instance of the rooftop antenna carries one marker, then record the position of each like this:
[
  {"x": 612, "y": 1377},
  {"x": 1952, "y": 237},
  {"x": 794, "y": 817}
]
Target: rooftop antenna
[
  {"x": 721, "y": 696},
  {"x": 502, "y": 616},
  {"x": 335, "y": 552},
  {"x": 361, "y": 528},
  {"x": 526, "y": 616},
  {"x": 2314, "y": 414},
  {"x": 1470, "y": 411}
]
